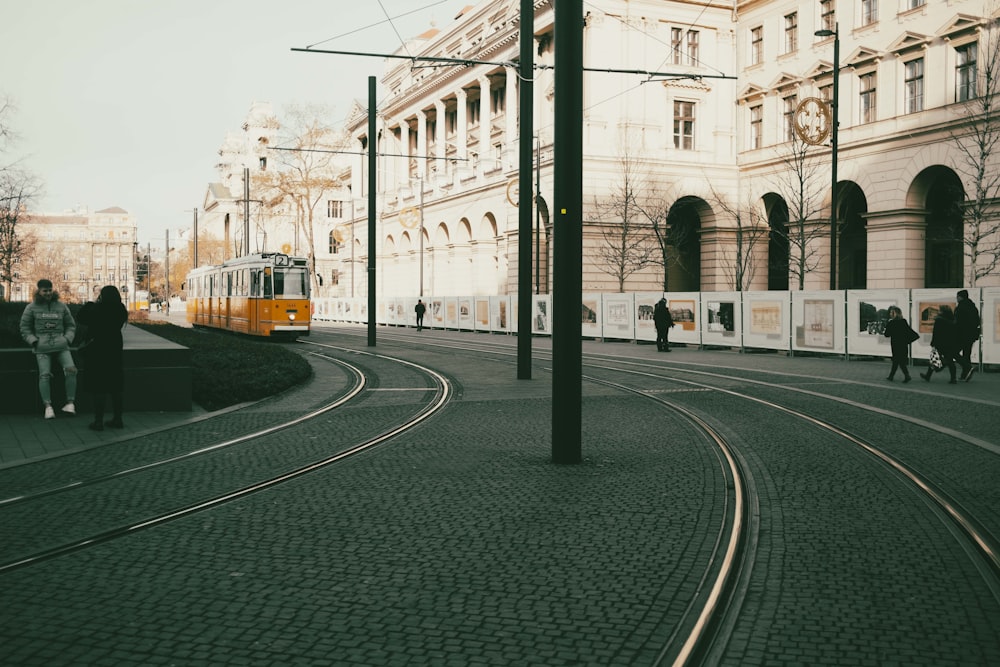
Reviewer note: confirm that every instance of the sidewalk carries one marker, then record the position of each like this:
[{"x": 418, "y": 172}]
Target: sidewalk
[{"x": 28, "y": 438}]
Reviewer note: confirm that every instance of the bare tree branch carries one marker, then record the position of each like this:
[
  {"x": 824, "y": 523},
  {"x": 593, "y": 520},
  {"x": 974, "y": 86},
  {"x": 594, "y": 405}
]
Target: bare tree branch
[{"x": 977, "y": 143}]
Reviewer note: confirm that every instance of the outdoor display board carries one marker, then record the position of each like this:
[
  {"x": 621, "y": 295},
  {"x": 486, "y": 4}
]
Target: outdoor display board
[
  {"x": 590, "y": 315},
  {"x": 643, "y": 309},
  {"x": 841, "y": 322},
  {"x": 867, "y": 315},
  {"x": 924, "y": 307},
  {"x": 721, "y": 315},
  {"x": 687, "y": 320},
  {"x": 481, "y": 315},
  {"x": 989, "y": 311},
  {"x": 617, "y": 318},
  {"x": 818, "y": 321},
  {"x": 766, "y": 320}
]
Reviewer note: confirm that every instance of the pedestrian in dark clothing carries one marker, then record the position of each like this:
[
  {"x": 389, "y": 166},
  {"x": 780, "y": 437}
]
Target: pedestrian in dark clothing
[
  {"x": 420, "y": 309},
  {"x": 663, "y": 322},
  {"x": 945, "y": 340},
  {"x": 967, "y": 324},
  {"x": 104, "y": 364},
  {"x": 900, "y": 335},
  {"x": 48, "y": 327}
]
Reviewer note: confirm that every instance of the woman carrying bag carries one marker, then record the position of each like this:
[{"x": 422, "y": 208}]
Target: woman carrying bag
[
  {"x": 900, "y": 336},
  {"x": 944, "y": 340}
]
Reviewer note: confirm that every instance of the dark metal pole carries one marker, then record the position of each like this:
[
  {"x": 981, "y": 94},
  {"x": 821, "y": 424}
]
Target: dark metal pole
[
  {"x": 524, "y": 199},
  {"x": 246, "y": 211},
  {"x": 194, "y": 259},
  {"x": 372, "y": 181},
  {"x": 420, "y": 184},
  {"x": 567, "y": 282},
  {"x": 166, "y": 270},
  {"x": 538, "y": 215},
  {"x": 834, "y": 263}
]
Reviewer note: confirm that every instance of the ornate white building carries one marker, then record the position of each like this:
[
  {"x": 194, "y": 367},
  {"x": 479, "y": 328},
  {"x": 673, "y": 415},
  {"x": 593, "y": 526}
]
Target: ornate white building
[{"x": 694, "y": 104}]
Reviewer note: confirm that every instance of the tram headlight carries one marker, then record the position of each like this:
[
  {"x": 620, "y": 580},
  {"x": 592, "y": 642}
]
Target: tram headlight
[{"x": 291, "y": 316}]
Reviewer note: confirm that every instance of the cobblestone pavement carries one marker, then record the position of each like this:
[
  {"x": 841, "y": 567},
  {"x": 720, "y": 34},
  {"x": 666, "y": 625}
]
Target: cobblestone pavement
[{"x": 459, "y": 543}]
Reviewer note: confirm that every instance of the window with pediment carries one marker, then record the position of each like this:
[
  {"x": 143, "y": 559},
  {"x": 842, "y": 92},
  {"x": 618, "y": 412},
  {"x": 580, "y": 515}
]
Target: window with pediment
[
  {"x": 867, "y": 83},
  {"x": 791, "y": 32},
  {"x": 965, "y": 71},
  {"x": 913, "y": 85}
]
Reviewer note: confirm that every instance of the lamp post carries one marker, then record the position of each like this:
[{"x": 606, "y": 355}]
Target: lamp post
[{"x": 834, "y": 104}]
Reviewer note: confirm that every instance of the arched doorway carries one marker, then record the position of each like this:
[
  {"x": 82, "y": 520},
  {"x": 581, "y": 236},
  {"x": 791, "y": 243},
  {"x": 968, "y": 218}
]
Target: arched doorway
[
  {"x": 777, "y": 241},
  {"x": 852, "y": 265},
  {"x": 939, "y": 191},
  {"x": 683, "y": 241}
]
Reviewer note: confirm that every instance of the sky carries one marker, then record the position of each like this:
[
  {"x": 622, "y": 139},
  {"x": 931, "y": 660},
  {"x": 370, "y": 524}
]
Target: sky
[{"x": 126, "y": 102}]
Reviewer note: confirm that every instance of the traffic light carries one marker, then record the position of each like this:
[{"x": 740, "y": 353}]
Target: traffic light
[{"x": 141, "y": 268}]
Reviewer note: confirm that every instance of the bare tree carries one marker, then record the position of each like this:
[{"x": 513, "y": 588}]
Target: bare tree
[
  {"x": 801, "y": 186},
  {"x": 977, "y": 143},
  {"x": 306, "y": 162},
  {"x": 626, "y": 243},
  {"x": 751, "y": 227},
  {"x": 18, "y": 188}
]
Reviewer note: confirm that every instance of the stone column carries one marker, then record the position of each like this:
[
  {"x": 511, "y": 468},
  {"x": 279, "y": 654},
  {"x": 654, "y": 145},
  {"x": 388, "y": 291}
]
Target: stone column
[
  {"x": 422, "y": 145},
  {"x": 510, "y": 110},
  {"x": 896, "y": 248},
  {"x": 485, "y": 120},
  {"x": 439, "y": 136},
  {"x": 404, "y": 150}
]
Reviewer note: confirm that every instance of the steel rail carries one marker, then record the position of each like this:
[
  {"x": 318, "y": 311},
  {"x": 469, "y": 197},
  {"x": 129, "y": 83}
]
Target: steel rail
[
  {"x": 359, "y": 384},
  {"x": 443, "y": 392}
]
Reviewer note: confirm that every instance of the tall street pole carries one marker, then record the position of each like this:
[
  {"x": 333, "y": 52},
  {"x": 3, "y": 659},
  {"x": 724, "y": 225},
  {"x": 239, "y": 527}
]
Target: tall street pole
[
  {"x": 567, "y": 281},
  {"x": 526, "y": 132},
  {"x": 372, "y": 182},
  {"x": 420, "y": 184},
  {"x": 194, "y": 259},
  {"x": 834, "y": 108}
]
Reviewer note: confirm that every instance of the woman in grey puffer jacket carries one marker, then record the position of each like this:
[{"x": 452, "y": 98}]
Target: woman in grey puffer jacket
[{"x": 48, "y": 327}]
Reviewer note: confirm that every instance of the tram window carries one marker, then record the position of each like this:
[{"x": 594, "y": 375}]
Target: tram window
[
  {"x": 255, "y": 283},
  {"x": 267, "y": 283},
  {"x": 291, "y": 283}
]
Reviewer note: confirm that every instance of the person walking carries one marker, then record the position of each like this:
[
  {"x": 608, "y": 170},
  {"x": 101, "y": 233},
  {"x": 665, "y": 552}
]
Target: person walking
[
  {"x": 900, "y": 335},
  {"x": 663, "y": 322},
  {"x": 967, "y": 324},
  {"x": 48, "y": 327},
  {"x": 420, "y": 309},
  {"x": 944, "y": 339},
  {"x": 104, "y": 367}
]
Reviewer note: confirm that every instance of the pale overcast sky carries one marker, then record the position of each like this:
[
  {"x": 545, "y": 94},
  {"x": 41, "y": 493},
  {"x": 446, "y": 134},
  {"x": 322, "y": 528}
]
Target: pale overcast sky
[{"x": 126, "y": 102}]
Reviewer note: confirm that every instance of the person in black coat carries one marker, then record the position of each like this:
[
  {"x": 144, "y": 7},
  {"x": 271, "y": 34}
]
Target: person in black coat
[
  {"x": 967, "y": 324},
  {"x": 898, "y": 330},
  {"x": 945, "y": 339},
  {"x": 105, "y": 319},
  {"x": 663, "y": 321}
]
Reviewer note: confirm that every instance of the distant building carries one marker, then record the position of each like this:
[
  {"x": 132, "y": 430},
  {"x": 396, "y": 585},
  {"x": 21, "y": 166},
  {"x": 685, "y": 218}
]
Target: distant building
[
  {"x": 248, "y": 217},
  {"x": 80, "y": 252}
]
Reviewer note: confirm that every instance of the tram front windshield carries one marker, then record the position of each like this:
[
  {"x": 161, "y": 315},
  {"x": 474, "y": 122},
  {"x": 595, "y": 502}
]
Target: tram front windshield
[{"x": 291, "y": 283}]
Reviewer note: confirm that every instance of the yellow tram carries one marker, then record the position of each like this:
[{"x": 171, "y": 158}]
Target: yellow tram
[{"x": 266, "y": 294}]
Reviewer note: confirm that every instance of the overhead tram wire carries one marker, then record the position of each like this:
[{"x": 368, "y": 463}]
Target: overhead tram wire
[{"x": 467, "y": 62}]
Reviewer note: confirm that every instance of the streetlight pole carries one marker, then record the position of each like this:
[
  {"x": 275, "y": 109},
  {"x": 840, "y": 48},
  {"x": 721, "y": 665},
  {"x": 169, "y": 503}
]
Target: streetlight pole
[
  {"x": 835, "y": 107},
  {"x": 420, "y": 233}
]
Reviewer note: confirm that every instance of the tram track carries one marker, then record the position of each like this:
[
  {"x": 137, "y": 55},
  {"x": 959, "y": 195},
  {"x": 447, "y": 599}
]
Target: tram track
[
  {"x": 976, "y": 539},
  {"x": 440, "y": 394}
]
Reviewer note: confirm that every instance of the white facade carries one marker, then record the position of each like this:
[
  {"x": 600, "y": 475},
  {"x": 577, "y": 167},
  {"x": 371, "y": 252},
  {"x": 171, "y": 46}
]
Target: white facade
[
  {"x": 901, "y": 178},
  {"x": 700, "y": 97}
]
